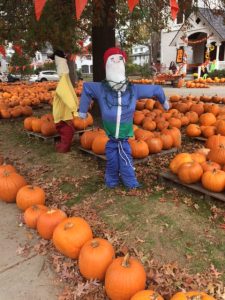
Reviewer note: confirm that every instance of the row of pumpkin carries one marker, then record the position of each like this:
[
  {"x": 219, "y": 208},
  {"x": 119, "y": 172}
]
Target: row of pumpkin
[
  {"x": 46, "y": 126},
  {"x": 206, "y": 165},
  {"x": 124, "y": 277}
]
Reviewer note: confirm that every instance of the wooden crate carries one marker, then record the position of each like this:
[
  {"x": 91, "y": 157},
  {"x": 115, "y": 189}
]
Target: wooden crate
[
  {"x": 135, "y": 160},
  {"x": 169, "y": 176}
]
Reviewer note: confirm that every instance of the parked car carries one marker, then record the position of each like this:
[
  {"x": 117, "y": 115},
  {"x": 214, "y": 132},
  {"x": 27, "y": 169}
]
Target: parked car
[
  {"x": 48, "y": 75},
  {"x": 3, "y": 77},
  {"x": 13, "y": 78},
  {"x": 33, "y": 78}
]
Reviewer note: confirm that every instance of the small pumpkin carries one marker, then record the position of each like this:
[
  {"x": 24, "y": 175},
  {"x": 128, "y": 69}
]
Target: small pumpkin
[
  {"x": 193, "y": 130},
  {"x": 147, "y": 295},
  {"x": 48, "y": 221},
  {"x": 8, "y": 168},
  {"x": 155, "y": 145},
  {"x": 210, "y": 166},
  {"x": 30, "y": 195},
  {"x": 70, "y": 235},
  {"x": 95, "y": 257},
  {"x": 193, "y": 295},
  {"x": 214, "y": 180},
  {"x": 10, "y": 183},
  {"x": 32, "y": 214},
  {"x": 124, "y": 277},
  {"x": 99, "y": 144}
]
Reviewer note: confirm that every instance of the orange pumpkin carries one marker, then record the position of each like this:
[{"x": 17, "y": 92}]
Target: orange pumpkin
[
  {"x": 210, "y": 166},
  {"x": 139, "y": 149},
  {"x": 8, "y": 168},
  {"x": 147, "y": 295},
  {"x": 194, "y": 295},
  {"x": 99, "y": 144},
  {"x": 30, "y": 195},
  {"x": 95, "y": 257},
  {"x": 178, "y": 160},
  {"x": 214, "y": 180},
  {"x": 215, "y": 141},
  {"x": 48, "y": 221},
  {"x": 193, "y": 130},
  {"x": 10, "y": 183},
  {"x": 32, "y": 214},
  {"x": 155, "y": 144},
  {"x": 124, "y": 277},
  {"x": 70, "y": 235},
  {"x": 190, "y": 172}
]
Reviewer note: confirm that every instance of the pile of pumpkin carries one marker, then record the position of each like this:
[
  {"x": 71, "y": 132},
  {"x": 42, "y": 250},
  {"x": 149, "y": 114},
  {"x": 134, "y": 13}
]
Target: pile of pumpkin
[
  {"x": 193, "y": 84},
  {"x": 44, "y": 125},
  {"x": 124, "y": 277},
  {"x": 7, "y": 112},
  {"x": 24, "y": 95},
  {"x": 206, "y": 165}
]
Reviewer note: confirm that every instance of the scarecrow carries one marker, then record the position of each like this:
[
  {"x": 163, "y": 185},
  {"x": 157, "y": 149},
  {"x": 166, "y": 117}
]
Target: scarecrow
[
  {"x": 117, "y": 98},
  {"x": 64, "y": 104}
]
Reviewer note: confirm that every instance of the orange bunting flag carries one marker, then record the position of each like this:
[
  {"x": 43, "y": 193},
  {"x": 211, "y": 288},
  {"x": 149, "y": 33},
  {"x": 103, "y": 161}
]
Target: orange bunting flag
[
  {"x": 174, "y": 8},
  {"x": 132, "y": 4},
  {"x": 80, "y": 5},
  {"x": 38, "y": 6},
  {"x": 18, "y": 49},
  {"x": 2, "y": 50}
]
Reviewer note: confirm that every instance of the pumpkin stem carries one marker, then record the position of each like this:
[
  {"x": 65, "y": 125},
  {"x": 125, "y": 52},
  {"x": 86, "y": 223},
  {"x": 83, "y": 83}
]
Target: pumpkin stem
[
  {"x": 51, "y": 211},
  {"x": 94, "y": 244},
  {"x": 68, "y": 225},
  {"x": 154, "y": 296},
  {"x": 125, "y": 262}
]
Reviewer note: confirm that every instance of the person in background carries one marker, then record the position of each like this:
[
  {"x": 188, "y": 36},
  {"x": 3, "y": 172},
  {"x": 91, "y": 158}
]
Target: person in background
[
  {"x": 173, "y": 67},
  {"x": 65, "y": 104},
  {"x": 117, "y": 98}
]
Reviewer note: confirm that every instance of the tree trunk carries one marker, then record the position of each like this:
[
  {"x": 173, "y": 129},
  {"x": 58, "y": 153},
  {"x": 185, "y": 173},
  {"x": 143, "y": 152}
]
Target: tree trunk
[
  {"x": 103, "y": 34},
  {"x": 72, "y": 71},
  {"x": 103, "y": 37}
]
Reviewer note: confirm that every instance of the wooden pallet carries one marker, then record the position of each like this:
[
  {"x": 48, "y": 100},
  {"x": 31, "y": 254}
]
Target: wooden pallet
[
  {"x": 55, "y": 137},
  {"x": 195, "y": 186},
  {"x": 135, "y": 160}
]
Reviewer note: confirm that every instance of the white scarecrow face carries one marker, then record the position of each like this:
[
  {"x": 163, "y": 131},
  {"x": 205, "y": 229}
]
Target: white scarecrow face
[{"x": 115, "y": 68}]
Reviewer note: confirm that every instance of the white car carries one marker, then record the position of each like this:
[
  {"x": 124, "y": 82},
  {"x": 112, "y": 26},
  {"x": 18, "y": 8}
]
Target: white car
[{"x": 48, "y": 75}]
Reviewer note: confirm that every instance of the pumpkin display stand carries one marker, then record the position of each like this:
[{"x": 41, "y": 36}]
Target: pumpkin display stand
[
  {"x": 173, "y": 79},
  {"x": 169, "y": 176},
  {"x": 54, "y": 138},
  {"x": 135, "y": 160}
]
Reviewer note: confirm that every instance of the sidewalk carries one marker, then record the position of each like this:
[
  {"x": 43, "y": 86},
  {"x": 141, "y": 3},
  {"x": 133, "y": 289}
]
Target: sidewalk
[{"x": 22, "y": 277}]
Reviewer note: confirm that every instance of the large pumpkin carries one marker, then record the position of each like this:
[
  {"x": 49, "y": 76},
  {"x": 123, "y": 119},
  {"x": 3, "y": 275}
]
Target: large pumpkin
[
  {"x": 10, "y": 183},
  {"x": 36, "y": 124},
  {"x": 48, "y": 128},
  {"x": 207, "y": 119},
  {"x": 215, "y": 141},
  {"x": 32, "y": 214},
  {"x": 124, "y": 277},
  {"x": 190, "y": 172},
  {"x": 217, "y": 155},
  {"x": 155, "y": 145},
  {"x": 194, "y": 295},
  {"x": 99, "y": 144},
  {"x": 48, "y": 221},
  {"x": 27, "y": 123},
  {"x": 139, "y": 149},
  {"x": 95, "y": 257},
  {"x": 214, "y": 180},
  {"x": 178, "y": 160},
  {"x": 8, "y": 168},
  {"x": 147, "y": 295},
  {"x": 70, "y": 235},
  {"x": 30, "y": 195},
  {"x": 88, "y": 137}
]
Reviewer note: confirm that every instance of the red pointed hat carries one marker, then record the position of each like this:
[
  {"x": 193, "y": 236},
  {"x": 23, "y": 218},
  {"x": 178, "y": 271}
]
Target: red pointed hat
[{"x": 112, "y": 51}]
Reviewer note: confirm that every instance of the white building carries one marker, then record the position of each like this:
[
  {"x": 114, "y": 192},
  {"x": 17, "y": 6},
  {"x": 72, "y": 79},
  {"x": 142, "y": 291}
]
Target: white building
[
  {"x": 140, "y": 55},
  {"x": 202, "y": 34}
]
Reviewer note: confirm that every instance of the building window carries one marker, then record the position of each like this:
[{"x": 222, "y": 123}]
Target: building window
[
  {"x": 85, "y": 69},
  {"x": 88, "y": 57},
  {"x": 91, "y": 69},
  {"x": 198, "y": 20}
]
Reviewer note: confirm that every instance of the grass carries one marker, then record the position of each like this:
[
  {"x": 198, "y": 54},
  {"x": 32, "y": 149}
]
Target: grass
[{"x": 167, "y": 223}]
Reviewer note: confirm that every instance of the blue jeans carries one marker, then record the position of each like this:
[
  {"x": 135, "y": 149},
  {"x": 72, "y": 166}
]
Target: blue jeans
[{"x": 119, "y": 164}]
